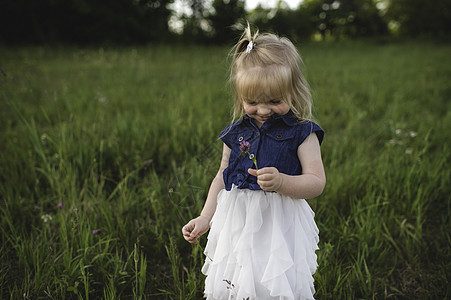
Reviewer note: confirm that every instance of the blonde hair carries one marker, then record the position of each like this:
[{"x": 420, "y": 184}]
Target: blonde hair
[{"x": 271, "y": 68}]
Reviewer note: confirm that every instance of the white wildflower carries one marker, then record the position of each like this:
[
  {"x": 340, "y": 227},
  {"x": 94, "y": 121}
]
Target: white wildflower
[
  {"x": 393, "y": 142},
  {"x": 46, "y": 218}
]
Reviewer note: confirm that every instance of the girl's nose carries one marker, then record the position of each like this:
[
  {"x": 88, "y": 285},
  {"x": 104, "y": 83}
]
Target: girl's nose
[{"x": 263, "y": 110}]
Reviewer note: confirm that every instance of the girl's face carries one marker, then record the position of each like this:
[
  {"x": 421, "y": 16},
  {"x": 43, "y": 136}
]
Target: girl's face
[{"x": 260, "y": 111}]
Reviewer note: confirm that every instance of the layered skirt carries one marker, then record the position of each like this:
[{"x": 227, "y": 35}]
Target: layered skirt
[{"x": 260, "y": 246}]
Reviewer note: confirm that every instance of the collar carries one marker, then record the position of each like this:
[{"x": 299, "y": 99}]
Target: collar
[{"x": 289, "y": 119}]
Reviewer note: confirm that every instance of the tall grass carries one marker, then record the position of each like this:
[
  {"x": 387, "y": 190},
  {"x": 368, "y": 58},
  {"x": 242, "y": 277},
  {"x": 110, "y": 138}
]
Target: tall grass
[{"x": 106, "y": 153}]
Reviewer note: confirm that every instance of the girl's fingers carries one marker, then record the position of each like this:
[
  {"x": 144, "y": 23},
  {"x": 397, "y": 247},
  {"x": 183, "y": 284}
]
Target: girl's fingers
[
  {"x": 188, "y": 236},
  {"x": 194, "y": 233},
  {"x": 265, "y": 177},
  {"x": 187, "y": 229},
  {"x": 253, "y": 172},
  {"x": 260, "y": 172},
  {"x": 192, "y": 240}
]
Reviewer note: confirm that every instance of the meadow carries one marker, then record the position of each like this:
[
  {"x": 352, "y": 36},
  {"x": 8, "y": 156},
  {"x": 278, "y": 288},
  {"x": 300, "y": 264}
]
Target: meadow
[{"x": 107, "y": 153}]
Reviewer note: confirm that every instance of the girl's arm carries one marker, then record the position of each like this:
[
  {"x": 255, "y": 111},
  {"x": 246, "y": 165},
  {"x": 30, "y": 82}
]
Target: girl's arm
[
  {"x": 198, "y": 226},
  {"x": 308, "y": 185}
]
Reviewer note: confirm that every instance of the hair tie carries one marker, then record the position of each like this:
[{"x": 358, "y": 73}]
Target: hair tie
[{"x": 250, "y": 46}]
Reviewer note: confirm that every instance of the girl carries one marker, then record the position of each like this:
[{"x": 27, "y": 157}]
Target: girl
[{"x": 263, "y": 236}]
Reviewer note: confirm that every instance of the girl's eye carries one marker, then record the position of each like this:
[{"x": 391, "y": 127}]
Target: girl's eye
[
  {"x": 251, "y": 102},
  {"x": 274, "y": 101}
]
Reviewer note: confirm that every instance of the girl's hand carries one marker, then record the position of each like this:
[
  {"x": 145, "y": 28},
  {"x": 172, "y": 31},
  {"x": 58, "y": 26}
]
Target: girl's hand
[
  {"x": 269, "y": 178},
  {"x": 195, "y": 228}
]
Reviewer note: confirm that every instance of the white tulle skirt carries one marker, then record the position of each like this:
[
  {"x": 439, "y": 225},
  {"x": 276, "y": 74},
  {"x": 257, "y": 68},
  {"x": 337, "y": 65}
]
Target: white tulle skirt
[{"x": 260, "y": 246}]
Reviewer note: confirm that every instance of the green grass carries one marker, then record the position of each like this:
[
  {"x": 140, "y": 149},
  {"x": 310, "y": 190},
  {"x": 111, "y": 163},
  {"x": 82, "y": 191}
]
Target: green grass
[{"x": 126, "y": 140}]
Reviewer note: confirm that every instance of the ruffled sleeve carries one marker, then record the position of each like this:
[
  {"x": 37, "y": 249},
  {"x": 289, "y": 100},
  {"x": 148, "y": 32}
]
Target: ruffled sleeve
[
  {"x": 225, "y": 135},
  {"x": 307, "y": 128}
]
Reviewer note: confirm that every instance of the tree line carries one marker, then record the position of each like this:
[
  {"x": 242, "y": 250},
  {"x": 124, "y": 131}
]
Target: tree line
[{"x": 207, "y": 21}]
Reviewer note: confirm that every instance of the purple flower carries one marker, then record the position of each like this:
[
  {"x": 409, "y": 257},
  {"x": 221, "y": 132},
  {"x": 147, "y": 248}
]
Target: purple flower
[
  {"x": 96, "y": 231},
  {"x": 60, "y": 205},
  {"x": 37, "y": 208},
  {"x": 245, "y": 146}
]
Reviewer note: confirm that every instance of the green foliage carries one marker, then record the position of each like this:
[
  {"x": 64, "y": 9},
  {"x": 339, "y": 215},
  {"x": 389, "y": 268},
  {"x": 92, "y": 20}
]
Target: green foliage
[
  {"x": 295, "y": 24},
  {"x": 84, "y": 22},
  {"x": 420, "y": 17},
  {"x": 346, "y": 18},
  {"x": 103, "y": 22},
  {"x": 126, "y": 140},
  {"x": 226, "y": 14}
]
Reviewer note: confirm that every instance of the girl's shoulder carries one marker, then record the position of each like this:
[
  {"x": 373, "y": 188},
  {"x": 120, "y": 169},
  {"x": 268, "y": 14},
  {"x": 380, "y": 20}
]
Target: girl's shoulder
[
  {"x": 242, "y": 130},
  {"x": 306, "y": 128},
  {"x": 297, "y": 128},
  {"x": 233, "y": 129}
]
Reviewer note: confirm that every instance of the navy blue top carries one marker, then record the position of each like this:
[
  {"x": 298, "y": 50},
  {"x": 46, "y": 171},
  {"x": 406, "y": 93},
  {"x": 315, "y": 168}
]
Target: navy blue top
[{"x": 275, "y": 144}]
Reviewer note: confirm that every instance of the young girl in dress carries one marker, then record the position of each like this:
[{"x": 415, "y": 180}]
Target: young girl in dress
[{"x": 263, "y": 236}]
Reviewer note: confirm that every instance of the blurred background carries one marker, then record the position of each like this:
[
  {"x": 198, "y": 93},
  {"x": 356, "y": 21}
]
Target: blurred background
[
  {"x": 110, "y": 112},
  {"x": 212, "y": 21}
]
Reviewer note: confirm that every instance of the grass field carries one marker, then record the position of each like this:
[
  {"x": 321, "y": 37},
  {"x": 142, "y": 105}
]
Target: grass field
[{"x": 106, "y": 153}]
